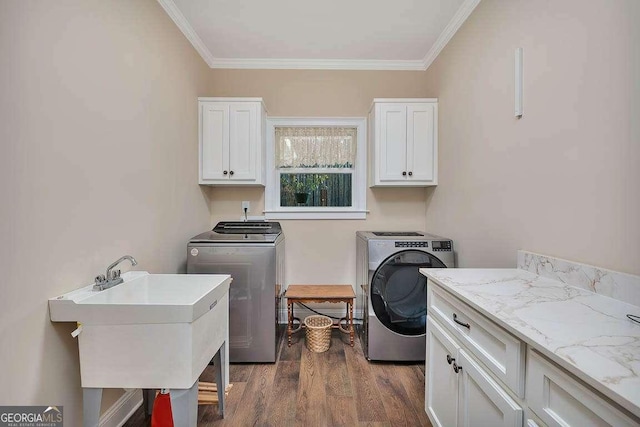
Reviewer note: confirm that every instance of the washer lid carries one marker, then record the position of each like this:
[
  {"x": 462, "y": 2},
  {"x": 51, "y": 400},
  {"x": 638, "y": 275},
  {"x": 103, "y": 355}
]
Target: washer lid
[
  {"x": 398, "y": 233},
  {"x": 247, "y": 227},
  {"x": 241, "y": 232}
]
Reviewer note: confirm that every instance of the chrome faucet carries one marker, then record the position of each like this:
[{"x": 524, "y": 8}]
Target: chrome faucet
[{"x": 112, "y": 277}]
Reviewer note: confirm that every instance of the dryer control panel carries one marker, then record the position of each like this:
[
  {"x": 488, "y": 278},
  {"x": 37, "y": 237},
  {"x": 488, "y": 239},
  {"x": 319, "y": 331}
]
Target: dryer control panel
[
  {"x": 412, "y": 244},
  {"x": 441, "y": 245}
]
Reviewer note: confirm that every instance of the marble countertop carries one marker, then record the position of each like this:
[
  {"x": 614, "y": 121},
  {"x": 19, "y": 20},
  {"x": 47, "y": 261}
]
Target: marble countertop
[{"x": 587, "y": 334}]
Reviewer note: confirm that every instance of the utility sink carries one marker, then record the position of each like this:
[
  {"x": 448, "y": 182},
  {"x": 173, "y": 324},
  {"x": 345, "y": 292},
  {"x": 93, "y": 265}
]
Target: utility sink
[
  {"x": 142, "y": 298},
  {"x": 151, "y": 331}
]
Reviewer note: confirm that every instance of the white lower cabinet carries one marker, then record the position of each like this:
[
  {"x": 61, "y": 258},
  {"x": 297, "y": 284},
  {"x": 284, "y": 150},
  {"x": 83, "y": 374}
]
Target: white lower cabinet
[
  {"x": 559, "y": 400},
  {"x": 498, "y": 351},
  {"x": 459, "y": 391},
  {"x": 476, "y": 375}
]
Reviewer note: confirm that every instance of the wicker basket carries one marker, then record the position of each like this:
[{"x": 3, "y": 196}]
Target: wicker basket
[{"x": 318, "y": 331}]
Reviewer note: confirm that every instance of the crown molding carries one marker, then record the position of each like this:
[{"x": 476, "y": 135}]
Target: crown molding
[
  {"x": 449, "y": 31},
  {"x": 174, "y": 13},
  {"x": 318, "y": 64}
]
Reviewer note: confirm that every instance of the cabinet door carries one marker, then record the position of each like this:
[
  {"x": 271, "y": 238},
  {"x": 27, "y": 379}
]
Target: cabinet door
[
  {"x": 421, "y": 143},
  {"x": 214, "y": 155},
  {"x": 441, "y": 382},
  {"x": 243, "y": 141},
  {"x": 482, "y": 402},
  {"x": 392, "y": 149}
]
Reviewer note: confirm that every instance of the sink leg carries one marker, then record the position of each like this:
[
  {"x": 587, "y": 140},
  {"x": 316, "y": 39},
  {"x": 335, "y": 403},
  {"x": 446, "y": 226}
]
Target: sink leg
[
  {"x": 219, "y": 360},
  {"x": 184, "y": 406},
  {"x": 91, "y": 401},
  {"x": 148, "y": 397}
]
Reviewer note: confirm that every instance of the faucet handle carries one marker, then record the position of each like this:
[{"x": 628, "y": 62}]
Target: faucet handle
[
  {"x": 114, "y": 274},
  {"x": 100, "y": 279}
]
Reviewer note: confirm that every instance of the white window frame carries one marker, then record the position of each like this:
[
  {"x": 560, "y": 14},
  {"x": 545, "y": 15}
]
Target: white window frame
[{"x": 358, "y": 210}]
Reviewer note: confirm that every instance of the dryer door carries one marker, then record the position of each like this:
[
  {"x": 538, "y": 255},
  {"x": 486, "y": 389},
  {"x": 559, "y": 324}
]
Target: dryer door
[{"x": 399, "y": 292}]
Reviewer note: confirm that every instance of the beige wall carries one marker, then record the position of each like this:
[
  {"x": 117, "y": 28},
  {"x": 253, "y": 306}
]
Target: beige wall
[
  {"x": 98, "y": 158},
  {"x": 323, "y": 251},
  {"x": 563, "y": 180}
]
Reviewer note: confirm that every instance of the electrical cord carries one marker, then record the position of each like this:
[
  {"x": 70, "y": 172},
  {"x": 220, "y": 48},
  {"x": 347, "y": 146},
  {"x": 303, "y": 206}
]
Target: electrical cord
[
  {"x": 633, "y": 318},
  {"x": 322, "y": 314},
  {"x": 245, "y": 214}
]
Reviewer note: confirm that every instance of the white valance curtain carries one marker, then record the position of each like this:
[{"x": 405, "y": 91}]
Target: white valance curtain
[{"x": 315, "y": 147}]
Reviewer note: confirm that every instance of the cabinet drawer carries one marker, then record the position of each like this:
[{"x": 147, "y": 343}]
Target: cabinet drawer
[
  {"x": 559, "y": 399},
  {"x": 501, "y": 352}
]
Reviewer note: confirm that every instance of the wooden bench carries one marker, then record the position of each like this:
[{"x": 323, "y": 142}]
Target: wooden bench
[{"x": 318, "y": 294}]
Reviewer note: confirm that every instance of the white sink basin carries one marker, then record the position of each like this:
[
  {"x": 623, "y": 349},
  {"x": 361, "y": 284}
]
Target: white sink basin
[
  {"x": 142, "y": 298},
  {"x": 152, "y": 331}
]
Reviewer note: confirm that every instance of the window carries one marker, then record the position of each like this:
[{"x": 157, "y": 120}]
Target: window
[{"x": 316, "y": 168}]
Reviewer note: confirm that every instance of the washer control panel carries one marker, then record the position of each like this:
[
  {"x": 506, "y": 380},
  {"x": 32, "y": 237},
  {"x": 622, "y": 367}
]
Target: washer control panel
[{"x": 412, "y": 244}]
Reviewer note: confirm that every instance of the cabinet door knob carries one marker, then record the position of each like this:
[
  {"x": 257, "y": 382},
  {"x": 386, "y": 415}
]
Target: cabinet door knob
[
  {"x": 410, "y": 173},
  {"x": 404, "y": 173},
  {"x": 231, "y": 173},
  {"x": 450, "y": 359},
  {"x": 456, "y": 368},
  {"x": 224, "y": 172}
]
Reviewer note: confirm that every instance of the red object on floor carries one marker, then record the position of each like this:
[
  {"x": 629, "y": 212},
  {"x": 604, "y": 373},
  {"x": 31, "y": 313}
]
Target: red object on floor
[{"x": 161, "y": 415}]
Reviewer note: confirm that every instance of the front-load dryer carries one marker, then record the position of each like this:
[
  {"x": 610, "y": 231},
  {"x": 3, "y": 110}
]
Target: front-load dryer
[{"x": 393, "y": 293}]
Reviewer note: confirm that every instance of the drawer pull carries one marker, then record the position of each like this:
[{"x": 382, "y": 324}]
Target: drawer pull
[
  {"x": 455, "y": 319},
  {"x": 450, "y": 359},
  {"x": 456, "y": 368}
]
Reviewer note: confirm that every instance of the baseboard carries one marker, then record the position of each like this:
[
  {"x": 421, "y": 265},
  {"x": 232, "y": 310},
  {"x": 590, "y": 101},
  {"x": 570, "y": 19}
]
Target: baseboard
[{"x": 120, "y": 411}]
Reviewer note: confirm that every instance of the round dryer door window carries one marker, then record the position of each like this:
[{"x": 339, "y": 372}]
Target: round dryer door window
[{"x": 399, "y": 291}]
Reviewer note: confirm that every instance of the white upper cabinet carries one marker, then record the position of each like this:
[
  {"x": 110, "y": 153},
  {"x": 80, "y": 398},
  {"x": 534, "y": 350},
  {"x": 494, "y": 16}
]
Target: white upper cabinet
[
  {"x": 403, "y": 144},
  {"x": 232, "y": 137}
]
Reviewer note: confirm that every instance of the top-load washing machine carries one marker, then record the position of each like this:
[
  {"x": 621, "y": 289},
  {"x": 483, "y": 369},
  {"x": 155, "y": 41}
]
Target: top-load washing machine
[
  {"x": 393, "y": 293},
  {"x": 252, "y": 253}
]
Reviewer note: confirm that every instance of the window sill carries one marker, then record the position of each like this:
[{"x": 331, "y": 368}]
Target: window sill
[{"x": 315, "y": 214}]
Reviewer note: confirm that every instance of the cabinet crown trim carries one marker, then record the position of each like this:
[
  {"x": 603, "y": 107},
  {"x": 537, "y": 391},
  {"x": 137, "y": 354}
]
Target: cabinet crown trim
[
  {"x": 231, "y": 99},
  {"x": 403, "y": 100}
]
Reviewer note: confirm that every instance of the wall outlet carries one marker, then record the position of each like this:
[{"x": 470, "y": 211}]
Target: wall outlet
[{"x": 246, "y": 205}]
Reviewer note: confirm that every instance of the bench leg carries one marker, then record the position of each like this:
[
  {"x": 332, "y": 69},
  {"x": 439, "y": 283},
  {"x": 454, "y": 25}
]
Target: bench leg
[
  {"x": 351, "y": 333},
  {"x": 289, "y": 322}
]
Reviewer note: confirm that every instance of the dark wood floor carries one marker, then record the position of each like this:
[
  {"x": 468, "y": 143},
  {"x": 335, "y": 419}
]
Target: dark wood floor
[{"x": 336, "y": 388}]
